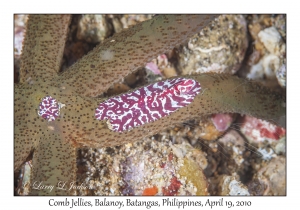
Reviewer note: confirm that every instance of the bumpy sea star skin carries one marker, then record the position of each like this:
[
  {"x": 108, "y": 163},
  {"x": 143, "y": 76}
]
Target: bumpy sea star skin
[
  {"x": 43, "y": 47},
  {"x": 54, "y": 143}
]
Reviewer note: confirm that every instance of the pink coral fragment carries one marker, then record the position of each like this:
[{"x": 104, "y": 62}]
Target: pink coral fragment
[
  {"x": 222, "y": 121},
  {"x": 49, "y": 108},
  {"x": 147, "y": 104},
  {"x": 153, "y": 68},
  {"x": 259, "y": 130}
]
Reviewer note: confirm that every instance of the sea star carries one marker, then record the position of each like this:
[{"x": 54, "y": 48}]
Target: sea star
[{"x": 54, "y": 143}]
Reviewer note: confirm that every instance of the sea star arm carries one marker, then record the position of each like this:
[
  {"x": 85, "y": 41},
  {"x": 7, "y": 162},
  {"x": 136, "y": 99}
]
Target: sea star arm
[
  {"x": 220, "y": 93},
  {"x": 26, "y": 127},
  {"x": 54, "y": 164},
  {"x": 23, "y": 143},
  {"x": 123, "y": 53},
  {"x": 43, "y": 47}
]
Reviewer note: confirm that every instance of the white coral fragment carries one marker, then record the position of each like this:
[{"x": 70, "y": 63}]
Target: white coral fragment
[{"x": 271, "y": 39}]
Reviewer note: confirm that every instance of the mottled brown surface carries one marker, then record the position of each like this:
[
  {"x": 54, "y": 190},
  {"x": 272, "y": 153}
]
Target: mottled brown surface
[
  {"x": 43, "y": 47},
  {"x": 54, "y": 143}
]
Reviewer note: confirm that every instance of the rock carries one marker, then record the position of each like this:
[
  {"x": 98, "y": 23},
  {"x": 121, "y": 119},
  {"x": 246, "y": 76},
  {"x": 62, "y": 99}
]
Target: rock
[
  {"x": 265, "y": 68},
  {"x": 272, "y": 41},
  {"x": 117, "y": 24},
  {"x": 93, "y": 28},
  {"x": 230, "y": 186},
  {"x": 273, "y": 176},
  {"x": 219, "y": 47},
  {"x": 256, "y": 187},
  {"x": 280, "y": 147},
  {"x": 268, "y": 59},
  {"x": 170, "y": 72},
  {"x": 24, "y": 184},
  {"x": 195, "y": 175},
  {"x": 185, "y": 150},
  {"x": 148, "y": 167},
  {"x": 279, "y": 21},
  {"x": 281, "y": 74},
  {"x": 130, "y": 79},
  {"x": 234, "y": 142},
  {"x": 19, "y": 32},
  {"x": 130, "y": 20}
]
